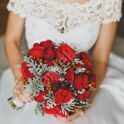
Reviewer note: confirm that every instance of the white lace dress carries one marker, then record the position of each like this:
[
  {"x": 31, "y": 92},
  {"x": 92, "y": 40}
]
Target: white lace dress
[{"x": 78, "y": 25}]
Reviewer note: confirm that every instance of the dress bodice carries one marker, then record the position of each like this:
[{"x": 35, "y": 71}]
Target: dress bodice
[{"x": 75, "y": 23}]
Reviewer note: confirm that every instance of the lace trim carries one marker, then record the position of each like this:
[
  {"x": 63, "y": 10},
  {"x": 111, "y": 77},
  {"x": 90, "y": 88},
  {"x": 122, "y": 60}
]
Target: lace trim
[
  {"x": 60, "y": 15},
  {"x": 112, "y": 11},
  {"x": 66, "y": 16},
  {"x": 18, "y": 7}
]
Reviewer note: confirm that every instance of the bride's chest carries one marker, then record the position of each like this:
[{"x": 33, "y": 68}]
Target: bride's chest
[
  {"x": 81, "y": 37},
  {"x": 66, "y": 16}
]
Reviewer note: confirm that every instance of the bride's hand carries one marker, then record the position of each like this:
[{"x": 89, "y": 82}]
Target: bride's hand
[
  {"x": 20, "y": 93},
  {"x": 77, "y": 114}
]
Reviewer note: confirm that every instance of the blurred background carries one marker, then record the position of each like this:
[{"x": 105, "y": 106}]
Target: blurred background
[{"x": 118, "y": 47}]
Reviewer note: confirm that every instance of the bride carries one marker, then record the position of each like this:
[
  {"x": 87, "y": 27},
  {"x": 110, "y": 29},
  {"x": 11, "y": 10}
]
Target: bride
[{"x": 84, "y": 24}]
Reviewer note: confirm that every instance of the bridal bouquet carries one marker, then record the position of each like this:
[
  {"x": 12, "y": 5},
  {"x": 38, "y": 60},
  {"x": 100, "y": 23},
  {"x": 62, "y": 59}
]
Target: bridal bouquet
[{"x": 58, "y": 78}]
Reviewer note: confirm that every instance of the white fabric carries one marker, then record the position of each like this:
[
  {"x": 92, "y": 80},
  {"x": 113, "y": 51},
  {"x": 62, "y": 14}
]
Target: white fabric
[
  {"x": 66, "y": 22},
  {"x": 78, "y": 25}
]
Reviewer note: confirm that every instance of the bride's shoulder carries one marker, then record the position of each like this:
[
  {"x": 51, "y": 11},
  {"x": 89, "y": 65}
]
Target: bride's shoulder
[
  {"x": 112, "y": 10},
  {"x": 112, "y": 4},
  {"x": 25, "y": 7},
  {"x": 19, "y": 6}
]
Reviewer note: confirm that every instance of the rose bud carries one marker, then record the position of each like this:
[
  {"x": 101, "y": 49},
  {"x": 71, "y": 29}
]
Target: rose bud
[{"x": 81, "y": 81}]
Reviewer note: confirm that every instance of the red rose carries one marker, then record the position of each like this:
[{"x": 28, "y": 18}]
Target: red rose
[
  {"x": 47, "y": 44},
  {"x": 65, "y": 52},
  {"x": 64, "y": 115},
  {"x": 83, "y": 96},
  {"x": 81, "y": 81},
  {"x": 25, "y": 71},
  {"x": 50, "y": 77},
  {"x": 54, "y": 111},
  {"x": 49, "y": 54},
  {"x": 36, "y": 51},
  {"x": 40, "y": 97},
  {"x": 86, "y": 60},
  {"x": 70, "y": 75},
  {"x": 63, "y": 96}
]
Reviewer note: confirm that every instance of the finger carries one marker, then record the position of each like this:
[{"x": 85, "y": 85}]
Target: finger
[
  {"x": 26, "y": 95},
  {"x": 20, "y": 101},
  {"x": 20, "y": 92},
  {"x": 74, "y": 116},
  {"x": 62, "y": 118},
  {"x": 20, "y": 96},
  {"x": 19, "y": 81},
  {"x": 16, "y": 89}
]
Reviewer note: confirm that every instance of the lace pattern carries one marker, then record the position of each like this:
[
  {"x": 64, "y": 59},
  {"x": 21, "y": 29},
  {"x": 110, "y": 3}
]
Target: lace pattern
[
  {"x": 112, "y": 10},
  {"x": 66, "y": 16},
  {"x": 18, "y": 7}
]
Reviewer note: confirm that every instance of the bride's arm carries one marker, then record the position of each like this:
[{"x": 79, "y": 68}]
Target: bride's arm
[
  {"x": 102, "y": 49},
  {"x": 13, "y": 51},
  {"x": 101, "y": 52},
  {"x": 100, "y": 56},
  {"x": 13, "y": 42}
]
